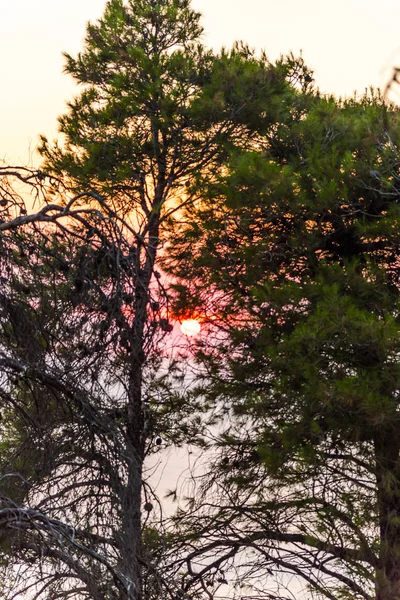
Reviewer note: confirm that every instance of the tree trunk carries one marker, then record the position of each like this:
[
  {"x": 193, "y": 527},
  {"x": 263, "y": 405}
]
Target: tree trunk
[
  {"x": 131, "y": 535},
  {"x": 388, "y": 497}
]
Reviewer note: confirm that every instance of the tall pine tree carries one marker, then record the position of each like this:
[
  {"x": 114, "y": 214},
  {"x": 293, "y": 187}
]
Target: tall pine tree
[
  {"x": 293, "y": 263},
  {"x": 84, "y": 308}
]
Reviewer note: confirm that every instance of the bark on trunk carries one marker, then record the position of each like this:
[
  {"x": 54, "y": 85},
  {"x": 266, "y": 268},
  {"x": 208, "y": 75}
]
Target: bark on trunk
[
  {"x": 131, "y": 535},
  {"x": 388, "y": 496}
]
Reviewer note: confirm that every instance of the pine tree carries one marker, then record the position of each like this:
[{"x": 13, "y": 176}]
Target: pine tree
[
  {"x": 85, "y": 308},
  {"x": 293, "y": 262}
]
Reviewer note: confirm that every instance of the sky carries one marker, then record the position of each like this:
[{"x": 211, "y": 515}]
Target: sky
[{"x": 350, "y": 45}]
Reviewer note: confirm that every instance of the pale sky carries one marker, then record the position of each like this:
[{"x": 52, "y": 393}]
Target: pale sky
[{"x": 350, "y": 44}]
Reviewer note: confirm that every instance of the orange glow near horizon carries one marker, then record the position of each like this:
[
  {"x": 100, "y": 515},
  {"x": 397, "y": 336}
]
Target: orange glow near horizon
[{"x": 190, "y": 327}]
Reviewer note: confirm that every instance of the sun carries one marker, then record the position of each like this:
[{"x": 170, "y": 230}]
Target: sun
[{"x": 190, "y": 327}]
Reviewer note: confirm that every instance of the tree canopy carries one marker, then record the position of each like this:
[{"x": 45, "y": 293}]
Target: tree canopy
[{"x": 292, "y": 261}]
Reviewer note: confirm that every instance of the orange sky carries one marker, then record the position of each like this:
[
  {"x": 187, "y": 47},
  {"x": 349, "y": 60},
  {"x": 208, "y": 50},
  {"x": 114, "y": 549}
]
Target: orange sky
[{"x": 351, "y": 44}]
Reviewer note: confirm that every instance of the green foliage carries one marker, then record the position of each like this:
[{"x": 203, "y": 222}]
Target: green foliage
[
  {"x": 291, "y": 258},
  {"x": 140, "y": 66}
]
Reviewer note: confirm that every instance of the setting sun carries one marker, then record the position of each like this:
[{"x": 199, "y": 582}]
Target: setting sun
[{"x": 190, "y": 327}]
